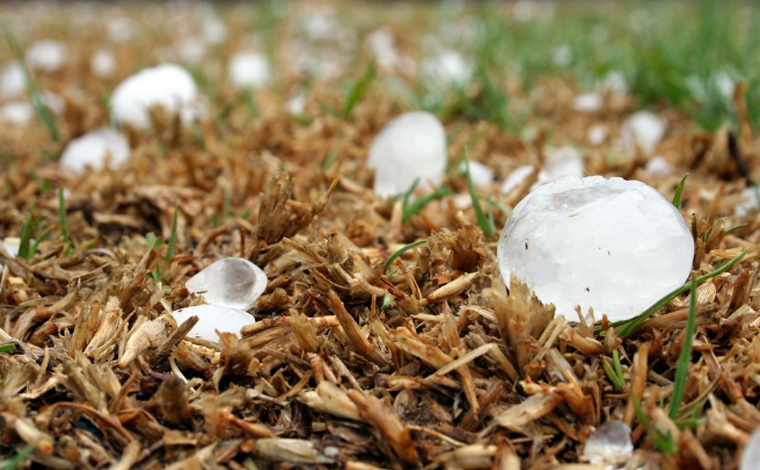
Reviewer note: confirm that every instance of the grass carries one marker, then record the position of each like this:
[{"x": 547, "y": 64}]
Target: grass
[
  {"x": 27, "y": 248},
  {"x": 684, "y": 359},
  {"x": 17, "y": 460}
]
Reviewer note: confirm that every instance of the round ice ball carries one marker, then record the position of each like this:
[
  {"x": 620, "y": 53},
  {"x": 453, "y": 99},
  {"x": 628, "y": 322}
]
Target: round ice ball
[
  {"x": 613, "y": 245},
  {"x": 92, "y": 149},
  {"x": 168, "y": 86},
  {"x": 411, "y": 147}
]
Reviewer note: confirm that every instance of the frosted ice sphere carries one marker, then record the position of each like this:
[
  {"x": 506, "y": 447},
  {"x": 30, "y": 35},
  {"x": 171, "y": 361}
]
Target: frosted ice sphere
[
  {"x": 91, "y": 150},
  {"x": 643, "y": 130},
  {"x": 12, "y": 81},
  {"x": 659, "y": 166},
  {"x": 481, "y": 175},
  {"x": 515, "y": 178},
  {"x": 169, "y": 86},
  {"x": 751, "y": 453},
  {"x": 250, "y": 69},
  {"x": 103, "y": 63},
  {"x": 561, "y": 162},
  {"x": 447, "y": 68},
  {"x": 613, "y": 245},
  {"x": 211, "y": 318},
  {"x": 48, "y": 55},
  {"x": 610, "y": 446},
  {"x": 596, "y": 134},
  {"x": 412, "y": 146},
  {"x": 588, "y": 102},
  {"x": 229, "y": 282}
]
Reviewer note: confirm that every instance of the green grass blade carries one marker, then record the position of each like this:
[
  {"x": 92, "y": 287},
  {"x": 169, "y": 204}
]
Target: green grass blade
[
  {"x": 7, "y": 348},
  {"x": 356, "y": 90},
  {"x": 17, "y": 460},
  {"x": 27, "y": 229},
  {"x": 172, "y": 236},
  {"x": 485, "y": 224},
  {"x": 401, "y": 251},
  {"x": 679, "y": 191},
  {"x": 684, "y": 359},
  {"x": 64, "y": 221},
  {"x": 734, "y": 228},
  {"x": 615, "y": 379},
  {"x": 41, "y": 238},
  {"x": 629, "y": 326},
  {"x": 410, "y": 209}
]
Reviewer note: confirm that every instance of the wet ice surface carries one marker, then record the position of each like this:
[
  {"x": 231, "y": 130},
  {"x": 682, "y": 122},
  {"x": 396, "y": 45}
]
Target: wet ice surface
[
  {"x": 411, "y": 147},
  {"x": 234, "y": 283},
  {"x": 212, "y": 318},
  {"x": 610, "y": 446},
  {"x": 613, "y": 245},
  {"x": 168, "y": 86},
  {"x": 751, "y": 453},
  {"x": 91, "y": 150}
]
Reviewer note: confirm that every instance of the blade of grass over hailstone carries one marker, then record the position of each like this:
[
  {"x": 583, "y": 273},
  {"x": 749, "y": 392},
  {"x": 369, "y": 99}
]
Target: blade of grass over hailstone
[
  {"x": 32, "y": 87},
  {"x": 357, "y": 89},
  {"x": 684, "y": 359},
  {"x": 679, "y": 191},
  {"x": 172, "y": 236},
  {"x": 410, "y": 209},
  {"x": 629, "y": 326},
  {"x": 401, "y": 251},
  {"x": 485, "y": 225}
]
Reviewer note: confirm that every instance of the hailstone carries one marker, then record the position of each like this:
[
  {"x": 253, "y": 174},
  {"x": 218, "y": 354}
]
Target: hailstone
[{"x": 229, "y": 282}]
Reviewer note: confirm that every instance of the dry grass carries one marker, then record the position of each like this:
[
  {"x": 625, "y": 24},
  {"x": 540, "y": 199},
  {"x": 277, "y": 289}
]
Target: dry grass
[{"x": 456, "y": 373}]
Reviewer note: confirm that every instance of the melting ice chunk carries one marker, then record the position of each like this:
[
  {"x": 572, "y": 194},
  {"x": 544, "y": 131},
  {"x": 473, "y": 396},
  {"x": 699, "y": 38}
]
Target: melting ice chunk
[
  {"x": 91, "y": 150},
  {"x": 212, "y": 318},
  {"x": 751, "y": 453},
  {"x": 411, "y": 147},
  {"x": 229, "y": 282},
  {"x": 643, "y": 130},
  {"x": 610, "y": 446},
  {"x": 613, "y": 245},
  {"x": 250, "y": 69},
  {"x": 169, "y": 86}
]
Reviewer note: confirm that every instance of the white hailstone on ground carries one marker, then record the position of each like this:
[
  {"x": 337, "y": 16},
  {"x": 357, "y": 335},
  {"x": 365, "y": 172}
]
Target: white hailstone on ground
[
  {"x": 103, "y": 63},
  {"x": 214, "y": 30},
  {"x": 250, "y": 69},
  {"x": 11, "y": 245},
  {"x": 213, "y": 318},
  {"x": 320, "y": 24},
  {"x": 596, "y": 134},
  {"x": 610, "y": 447},
  {"x": 191, "y": 49},
  {"x": 751, "y": 453},
  {"x": 92, "y": 149},
  {"x": 296, "y": 104},
  {"x": 20, "y": 113},
  {"x": 383, "y": 46},
  {"x": 563, "y": 55},
  {"x": 613, "y": 245},
  {"x": 411, "y": 147},
  {"x": 614, "y": 82},
  {"x": 448, "y": 68},
  {"x": 481, "y": 175},
  {"x": 749, "y": 200},
  {"x": 169, "y": 86},
  {"x": 120, "y": 29},
  {"x": 515, "y": 178},
  {"x": 588, "y": 102},
  {"x": 12, "y": 81},
  {"x": 229, "y": 282},
  {"x": 47, "y": 56},
  {"x": 561, "y": 162},
  {"x": 659, "y": 165},
  {"x": 642, "y": 130}
]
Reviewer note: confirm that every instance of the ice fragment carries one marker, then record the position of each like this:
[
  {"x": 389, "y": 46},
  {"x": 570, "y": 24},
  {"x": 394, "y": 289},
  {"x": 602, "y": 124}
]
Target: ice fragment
[
  {"x": 212, "y": 318},
  {"x": 250, "y": 69},
  {"x": 610, "y": 446},
  {"x": 659, "y": 165},
  {"x": 643, "y": 130},
  {"x": 613, "y": 245},
  {"x": 516, "y": 178},
  {"x": 411, "y": 147},
  {"x": 91, "y": 150},
  {"x": 447, "y": 68},
  {"x": 48, "y": 55},
  {"x": 229, "y": 282},
  {"x": 588, "y": 102},
  {"x": 481, "y": 175},
  {"x": 12, "y": 80},
  {"x": 561, "y": 162}
]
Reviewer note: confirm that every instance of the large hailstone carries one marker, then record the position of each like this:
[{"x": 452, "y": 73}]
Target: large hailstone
[
  {"x": 613, "y": 245},
  {"x": 411, "y": 147},
  {"x": 91, "y": 150},
  {"x": 213, "y": 318},
  {"x": 229, "y": 282},
  {"x": 250, "y": 69},
  {"x": 168, "y": 86}
]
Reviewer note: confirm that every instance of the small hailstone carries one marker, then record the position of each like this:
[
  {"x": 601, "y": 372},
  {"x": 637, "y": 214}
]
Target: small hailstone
[
  {"x": 250, "y": 69},
  {"x": 319, "y": 25},
  {"x": 168, "y": 85},
  {"x": 596, "y": 134},
  {"x": 91, "y": 150},
  {"x": 587, "y": 102},
  {"x": 751, "y": 454},
  {"x": 16, "y": 112},
  {"x": 448, "y": 68},
  {"x": 11, "y": 245},
  {"x": 191, "y": 50},
  {"x": 610, "y": 446},
  {"x": 296, "y": 104},
  {"x": 613, "y": 245},
  {"x": 563, "y": 55},
  {"x": 561, "y": 162},
  {"x": 659, "y": 165},
  {"x": 644, "y": 130},
  {"x": 120, "y": 29},
  {"x": 212, "y": 318},
  {"x": 383, "y": 46},
  {"x": 48, "y": 55},
  {"x": 481, "y": 175},
  {"x": 614, "y": 82},
  {"x": 103, "y": 63},
  {"x": 12, "y": 81},
  {"x": 229, "y": 282},
  {"x": 515, "y": 178},
  {"x": 411, "y": 147},
  {"x": 214, "y": 30},
  {"x": 749, "y": 200}
]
